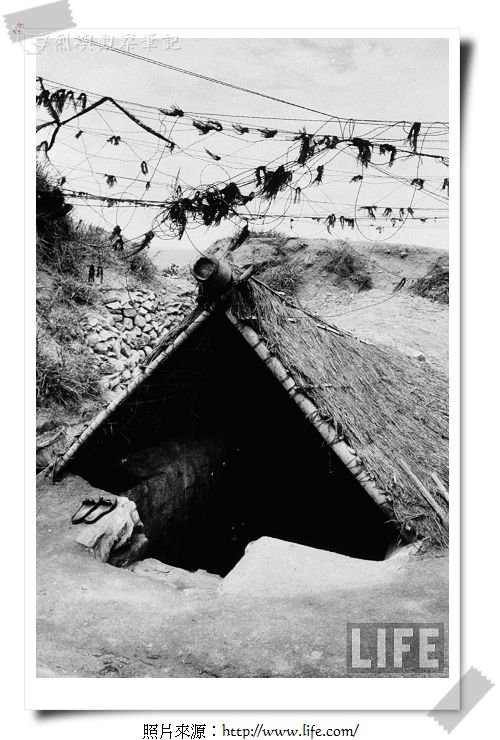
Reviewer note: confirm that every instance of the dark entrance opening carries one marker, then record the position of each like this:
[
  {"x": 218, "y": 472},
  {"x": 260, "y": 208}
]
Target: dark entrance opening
[{"x": 216, "y": 454}]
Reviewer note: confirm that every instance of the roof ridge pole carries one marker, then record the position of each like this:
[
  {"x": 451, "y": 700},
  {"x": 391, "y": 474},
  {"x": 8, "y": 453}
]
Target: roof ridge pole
[{"x": 327, "y": 432}]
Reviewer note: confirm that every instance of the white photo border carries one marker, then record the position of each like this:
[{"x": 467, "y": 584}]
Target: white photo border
[{"x": 244, "y": 693}]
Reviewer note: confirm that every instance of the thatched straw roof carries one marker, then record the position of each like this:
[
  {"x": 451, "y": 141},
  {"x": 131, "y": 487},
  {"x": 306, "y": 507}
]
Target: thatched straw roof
[
  {"x": 390, "y": 409},
  {"x": 387, "y": 406}
]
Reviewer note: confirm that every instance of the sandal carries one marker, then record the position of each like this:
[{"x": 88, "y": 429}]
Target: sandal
[
  {"x": 108, "y": 504},
  {"x": 88, "y": 505}
]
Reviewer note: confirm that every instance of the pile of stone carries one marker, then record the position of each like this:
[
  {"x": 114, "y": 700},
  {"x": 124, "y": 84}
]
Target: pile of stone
[{"x": 127, "y": 331}]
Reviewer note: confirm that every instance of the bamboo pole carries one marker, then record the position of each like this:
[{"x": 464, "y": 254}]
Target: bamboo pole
[
  {"x": 439, "y": 483},
  {"x": 425, "y": 493},
  {"x": 327, "y": 432}
]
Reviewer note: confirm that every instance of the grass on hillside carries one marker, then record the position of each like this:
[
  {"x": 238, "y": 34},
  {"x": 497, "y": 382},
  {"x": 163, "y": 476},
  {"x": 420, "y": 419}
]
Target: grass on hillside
[
  {"x": 347, "y": 263},
  {"x": 435, "y": 285},
  {"x": 67, "y": 379},
  {"x": 284, "y": 278},
  {"x": 67, "y": 373}
]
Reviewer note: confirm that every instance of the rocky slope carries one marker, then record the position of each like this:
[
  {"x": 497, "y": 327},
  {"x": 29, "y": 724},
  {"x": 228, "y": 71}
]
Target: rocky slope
[
  {"x": 123, "y": 331},
  {"x": 91, "y": 341}
]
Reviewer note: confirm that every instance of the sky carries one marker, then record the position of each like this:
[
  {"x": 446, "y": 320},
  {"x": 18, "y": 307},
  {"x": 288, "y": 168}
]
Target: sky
[{"x": 374, "y": 79}]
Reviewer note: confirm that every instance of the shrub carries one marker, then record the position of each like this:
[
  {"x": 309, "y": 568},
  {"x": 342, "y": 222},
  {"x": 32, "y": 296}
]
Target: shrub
[
  {"x": 435, "y": 285},
  {"x": 142, "y": 268},
  {"x": 65, "y": 379},
  {"x": 283, "y": 277},
  {"x": 71, "y": 289},
  {"x": 63, "y": 323},
  {"x": 52, "y": 232},
  {"x": 347, "y": 263},
  {"x": 278, "y": 238}
]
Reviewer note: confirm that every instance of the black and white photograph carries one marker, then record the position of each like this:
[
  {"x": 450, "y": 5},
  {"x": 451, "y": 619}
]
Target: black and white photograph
[{"x": 246, "y": 276}]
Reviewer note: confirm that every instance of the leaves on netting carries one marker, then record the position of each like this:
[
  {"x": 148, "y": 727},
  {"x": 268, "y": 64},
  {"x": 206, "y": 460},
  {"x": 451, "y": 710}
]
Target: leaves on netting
[
  {"x": 176, "y": 213},
  {"x": 346, "y": 221},
  {"x": 144, "y": 244},
  {"x": 275, "y": 181},
  {"x": 174, "y": 110},
  {"x": 370, "y": 210},
  {"x": 43, "y": 98},
  {"x": 330, "y": 221},
  {"x": 240, "y": 129},
  {"x": 319, "y": 174},
  {"x": 210, "y": 206},
  {"x": 82, "y": 100},
  {"x": 58, "y": 100},
  {"x": 267, "y": 133},
  {"x": 413, "y": 135},
  {"x": 215, "y": 203},
  {"x": 364, "y": 148},
  {"x": 388, "y": 149},
  {"x": 260, "y": 173},
  {"x": 241, "y": 237},
  {"x": 204, "y": 127},
  {"x": 231, "y": 193},
  {"x": 328, "y": 142},
  {"x": 307, "y": 146}
]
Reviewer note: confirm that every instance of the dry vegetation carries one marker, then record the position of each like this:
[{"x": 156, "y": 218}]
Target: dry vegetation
[
  {"x": 64, "y": 378},
  {"x": 347, "y": 263},
  {"x": 283, "y": 278},
  {"x": 278, "y": 238},
  {"x": 143, "y": 269},
  {"x": 67, "y": 375},
  {"x": 436, "y": 284}
]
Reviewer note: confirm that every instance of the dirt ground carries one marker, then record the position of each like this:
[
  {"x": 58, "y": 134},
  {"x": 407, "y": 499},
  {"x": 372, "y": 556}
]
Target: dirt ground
[
  {"x": 95, "y": 620},
  {"x": 401, "y": 320}
]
